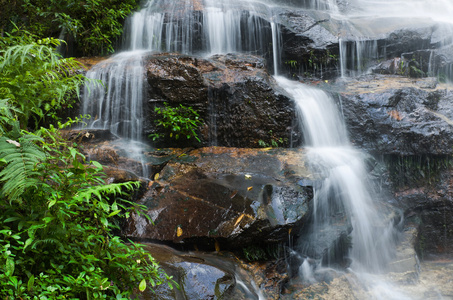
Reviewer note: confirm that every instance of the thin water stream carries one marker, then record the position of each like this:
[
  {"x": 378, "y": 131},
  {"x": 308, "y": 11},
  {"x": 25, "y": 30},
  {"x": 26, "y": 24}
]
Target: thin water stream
[{"x": 344, "y": 189}]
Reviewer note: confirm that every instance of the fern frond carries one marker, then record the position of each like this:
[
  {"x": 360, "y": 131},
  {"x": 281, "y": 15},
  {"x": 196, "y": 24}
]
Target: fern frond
[
  {"x": 20, "y": 161},
  {"x": 48, "y": 241},
  {"x": 101, "y": 190}
]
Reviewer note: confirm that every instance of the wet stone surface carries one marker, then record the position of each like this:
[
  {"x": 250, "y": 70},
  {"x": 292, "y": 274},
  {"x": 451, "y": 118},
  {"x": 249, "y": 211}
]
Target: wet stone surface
[
  {"x": 230, "y": 197},
  {"x": 209, "y": 276}
]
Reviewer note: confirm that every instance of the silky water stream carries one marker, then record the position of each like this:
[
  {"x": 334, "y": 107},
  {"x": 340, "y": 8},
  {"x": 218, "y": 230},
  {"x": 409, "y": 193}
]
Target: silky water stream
[{"x": 342, "y": 198}]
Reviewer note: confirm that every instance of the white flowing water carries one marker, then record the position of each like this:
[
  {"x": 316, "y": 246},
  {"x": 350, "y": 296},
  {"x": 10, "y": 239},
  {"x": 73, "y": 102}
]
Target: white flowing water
[
  {"x": 116, "y": 103},
  {"x": 370, "y": 20},
  {"x": 344, "y": 189},
  {"x": 179, "y": 26},
  {"x": 344, "y": 185}
]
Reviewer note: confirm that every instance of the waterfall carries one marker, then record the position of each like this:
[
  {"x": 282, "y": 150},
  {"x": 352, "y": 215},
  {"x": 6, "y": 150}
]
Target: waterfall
[
  {"x": 344, "y": 190},
  {"x": 114, "y": 100},
  {"x": 118, "y": 102},
  {"x": 171, "y": 26}
]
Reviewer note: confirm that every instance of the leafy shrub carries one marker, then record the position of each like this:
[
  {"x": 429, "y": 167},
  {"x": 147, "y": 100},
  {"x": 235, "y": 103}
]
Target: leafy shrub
[
  {"x": 57, "y": 215},
  {"x": 34, "y": 78},
  {"x": 56, "y": 212},
  {"x": 93, "y": 24},
  {"x": 176, "y": 122}
]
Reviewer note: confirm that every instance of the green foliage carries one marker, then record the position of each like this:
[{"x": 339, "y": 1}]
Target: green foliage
[
  {"x": 34, "y": 80},
  {"x": 274, "y": 141},
  {"x": 92, "y": 24},
  {"x": 57, "y": 217},
  {"x": 291, "y": 63},
  {"x": 176, "y": 122},
  {"x": 56, "y": 212},
  {"x": 254, "y": 253},
  {"x": 257, "y": 253}
]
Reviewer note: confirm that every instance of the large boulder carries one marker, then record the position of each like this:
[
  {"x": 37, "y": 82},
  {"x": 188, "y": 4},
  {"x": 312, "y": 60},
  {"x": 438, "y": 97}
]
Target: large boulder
[
  {"x": 238, "y": 100},
  {"x": 396, "y": 115},
  {"x": 209, "y": 276},
  {"x": 226, "y": 198},
  {"x": 428, "y": 203}
]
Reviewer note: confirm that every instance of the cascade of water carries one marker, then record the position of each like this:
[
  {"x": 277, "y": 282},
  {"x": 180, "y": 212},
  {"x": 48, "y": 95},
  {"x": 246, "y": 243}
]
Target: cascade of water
[
  {"x": 275, "y": 46},
  {"x": 176, "y": 26},
  {"x": 179, "y": 26},
  {"x": 355, "y": 56},
  {"x": 344, "y": 188},
  {"x": 223, "y": 31},
  {"x": 360, "y": 45},
  {"x": 117, "y": 104}
]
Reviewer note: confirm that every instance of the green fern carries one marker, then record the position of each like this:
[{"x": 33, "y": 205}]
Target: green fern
[
  {"x": 37, "y": 80},
  {"x": 20, "y": 159}
]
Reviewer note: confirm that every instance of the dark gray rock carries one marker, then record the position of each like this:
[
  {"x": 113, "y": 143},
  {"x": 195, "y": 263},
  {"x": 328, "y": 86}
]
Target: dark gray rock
[
  {"x": 233, "y": 197},
  {"x": 394, "y": 115},
  {"x": 236, "y": 97}
]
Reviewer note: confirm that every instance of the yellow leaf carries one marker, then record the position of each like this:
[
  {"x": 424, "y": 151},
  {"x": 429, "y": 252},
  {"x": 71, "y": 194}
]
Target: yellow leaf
[
  {"x": 178, "y": 231},
  {"x": 249, "y": 188},
  {"x": 156, "y": 176},
  {"x": 247, "y": 176},
  {"x": 239, "y": 220},
  {"x": 217, "y": 246},
  {"x": 289, "y": 231}
]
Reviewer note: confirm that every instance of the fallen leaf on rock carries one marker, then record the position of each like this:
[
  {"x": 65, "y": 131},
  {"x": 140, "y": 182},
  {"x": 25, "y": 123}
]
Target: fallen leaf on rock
[
  {"x": 233, "y": 194},
  {"x": 178, "y": 231},
  {"x": 239, "y": 220}
]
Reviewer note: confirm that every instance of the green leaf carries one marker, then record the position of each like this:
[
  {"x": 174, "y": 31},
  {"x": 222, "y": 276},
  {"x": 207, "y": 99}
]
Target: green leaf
[
  {"x": 27, "y": 243},
  {"x": 104, "y": 205},
  {"x": 97, "y": 165},
  {"x": 31, "y": 283},
  {"x": 12, "y": 219},
  {"x": 10, "y": 265},
  {"x": 142, "y": 285},
  {"x": 52, "y": 203},
  {"x": 114, "y": 213}
]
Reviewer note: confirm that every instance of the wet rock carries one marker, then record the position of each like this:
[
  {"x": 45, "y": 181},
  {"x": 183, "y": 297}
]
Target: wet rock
[
  {"x": 237, "y": 99},
  {"x": 309, "y": 43},
  {"x": 92, "y": 136},
  {"x": 395, "y": 115},
  {"x": 431, "y": 210},
  {"x": 88, "y": 62},
  {"x": 199, "y": 277},
  {"x": 210, "y": 276},
  {"x": 224, "y": 197}
]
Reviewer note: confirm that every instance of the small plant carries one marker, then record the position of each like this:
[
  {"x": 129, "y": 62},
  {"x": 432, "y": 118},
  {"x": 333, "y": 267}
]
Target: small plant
[
  {"x": 291, "y": 63},
  {"x": 254, "y": 253},
  {"x": 176, "y": 122},
  {"x": 274, "y": 141}
]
